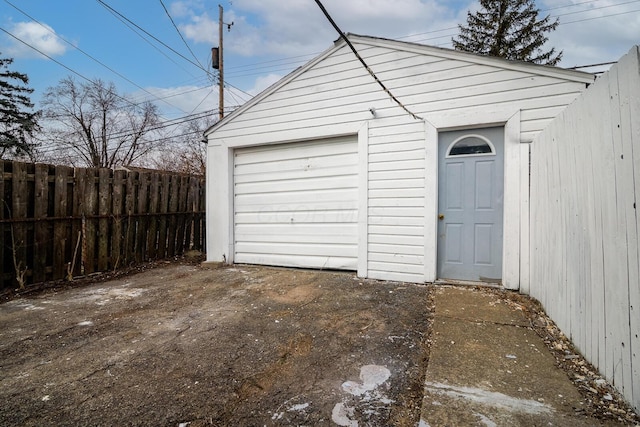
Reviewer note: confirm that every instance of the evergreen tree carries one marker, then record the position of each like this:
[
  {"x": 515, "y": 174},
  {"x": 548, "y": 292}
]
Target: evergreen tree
[
  {"x": 17, "y": 123},
  {"x": 508, "y": 29}
]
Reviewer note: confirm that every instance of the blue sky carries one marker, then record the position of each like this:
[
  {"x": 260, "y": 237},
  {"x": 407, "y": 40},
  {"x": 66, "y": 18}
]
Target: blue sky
[{"x": 268, "y": 39}]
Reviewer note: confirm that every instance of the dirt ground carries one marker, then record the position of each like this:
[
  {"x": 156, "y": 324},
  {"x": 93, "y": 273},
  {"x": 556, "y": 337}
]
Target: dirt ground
[{"x": 185, "y": 346}]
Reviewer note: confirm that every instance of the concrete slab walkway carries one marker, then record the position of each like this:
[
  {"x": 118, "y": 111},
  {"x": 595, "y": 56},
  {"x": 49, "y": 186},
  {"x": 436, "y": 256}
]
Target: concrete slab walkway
[{"x": 488, "y": 367}]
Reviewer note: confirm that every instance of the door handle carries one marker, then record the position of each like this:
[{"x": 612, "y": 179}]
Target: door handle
[{"x": 441, "y": 217}]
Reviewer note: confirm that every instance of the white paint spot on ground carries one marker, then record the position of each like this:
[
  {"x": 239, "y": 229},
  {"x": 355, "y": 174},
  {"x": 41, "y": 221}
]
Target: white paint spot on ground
[
  {"x": 370, "y": 398},
  {"x": 485, "y": 420},
  {"x": 103, "y": 296},
  {"x": 490, "y": 398},
  {"x": 28, "y": 306},
  {"x": 342, "y": 414},
  {"x": 371, "y": 375},
  {"x": 299, "y": 407},
  {"x": 86, "y": 323}
]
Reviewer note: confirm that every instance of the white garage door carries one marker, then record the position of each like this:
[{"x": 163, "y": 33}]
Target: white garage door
[{"x": 296, "y": 204}]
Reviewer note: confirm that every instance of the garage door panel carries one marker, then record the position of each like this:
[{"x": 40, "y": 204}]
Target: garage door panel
[
  {"x": 305, "y": 207},
  {"x": 341, "y": 198},
  {"x": 333, "y": 263},
  {"x": 307, "y": 164},
  {"x": 298, "y": 216},
  {"x": 309, "y": 238},
  {"x": 296, "y": 204},
  {"x": 306, "y": 249},
  {"x": 271, "y": 181},
  {"x": 265, "y": 154},
  {"x": 297, "y": 231}
]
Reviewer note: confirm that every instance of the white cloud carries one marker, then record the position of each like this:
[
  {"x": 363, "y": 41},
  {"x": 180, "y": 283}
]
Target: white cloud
[
  {"x": 42, "y": 37},
  {"x": 179, "y": 9},
  {"x": 274, "y": 27},
  {"x": 201, "y": 29}
]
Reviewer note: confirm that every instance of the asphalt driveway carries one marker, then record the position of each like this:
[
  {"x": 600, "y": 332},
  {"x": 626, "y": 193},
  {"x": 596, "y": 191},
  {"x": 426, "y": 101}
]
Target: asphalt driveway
[{"x": 251, "y": 346}]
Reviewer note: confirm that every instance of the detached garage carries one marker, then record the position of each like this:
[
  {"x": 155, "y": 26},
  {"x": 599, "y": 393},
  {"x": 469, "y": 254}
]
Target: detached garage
[{"x": 324, "y": 170}]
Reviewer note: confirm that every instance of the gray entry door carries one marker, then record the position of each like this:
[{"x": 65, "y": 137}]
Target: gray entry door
[{"x": 470, "y": 204}]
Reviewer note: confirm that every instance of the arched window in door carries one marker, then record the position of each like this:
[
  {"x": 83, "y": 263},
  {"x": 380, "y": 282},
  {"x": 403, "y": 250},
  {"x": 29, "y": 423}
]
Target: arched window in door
[{"x": 471, "y": 145}]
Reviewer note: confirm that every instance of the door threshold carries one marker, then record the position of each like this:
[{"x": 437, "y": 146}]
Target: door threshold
[{"x": 491, "y": 283}]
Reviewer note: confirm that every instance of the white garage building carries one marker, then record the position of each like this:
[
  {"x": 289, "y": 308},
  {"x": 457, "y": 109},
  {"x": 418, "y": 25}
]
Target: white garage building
[{"x": 324, "y": 170}]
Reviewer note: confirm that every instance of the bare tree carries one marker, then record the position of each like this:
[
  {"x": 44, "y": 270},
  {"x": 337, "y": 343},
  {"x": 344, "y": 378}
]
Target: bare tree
[
  {"x": 98, "y": 127},
  {"x": 188, "y": 152}
]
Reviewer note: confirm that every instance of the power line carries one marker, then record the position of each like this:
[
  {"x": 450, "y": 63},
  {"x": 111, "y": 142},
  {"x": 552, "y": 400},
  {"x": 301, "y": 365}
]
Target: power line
[
  {"x": 147, "y": 41},
  {"x": 166, "y": 124},
  {"x": 597, "y": 8},
  {"x": 87, "y": 54},
  {"x": 112, "y": 10},
  {"x": 105, "y": 5},
  {"x": 179, "y": 33},
  {"x": 353, "y": 49}
]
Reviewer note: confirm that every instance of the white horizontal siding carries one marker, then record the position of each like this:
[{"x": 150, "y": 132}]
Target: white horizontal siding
[
  {"x": 395, "y": 231},
  {"x": 333, "y": 96},
  {"x": 338, "y": 91},
  {"x": 296, "y": 204}
]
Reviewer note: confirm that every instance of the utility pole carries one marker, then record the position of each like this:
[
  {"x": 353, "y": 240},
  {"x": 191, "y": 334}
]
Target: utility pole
[
  {"x": 221, "y": 65},
  {"x": 217, "y": 59}
]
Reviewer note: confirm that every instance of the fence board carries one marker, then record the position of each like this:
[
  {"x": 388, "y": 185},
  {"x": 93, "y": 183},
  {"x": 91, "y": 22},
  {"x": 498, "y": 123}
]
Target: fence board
[
  {"x": 152, "y": 235},
  {"x": 181, "y": 218},
  {"x": 119, "y": 179},
  {"x": 104, "y": 202},
  {"x": 197, "y": 223},
  {"x": 584, "y": 223},
  {"x": 130, "y": 209},
  {"x": 164, "y": 208},
  {"x": 41, "y": 227},
  {"x": 4, "y": 235},
  {"x": 19, "y": 210},
  {"x": 189, "y": 206},
  {"x": 62, "y": 238},
  {"x": 143, "y": 223},
  {"x": 67, "y": 221},
  {"x": 173, "y": 208},
  {"x": 90, "y": 210}
]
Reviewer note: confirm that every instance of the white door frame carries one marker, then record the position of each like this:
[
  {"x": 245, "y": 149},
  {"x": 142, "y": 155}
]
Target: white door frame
[{"x": 516, "y": 194}]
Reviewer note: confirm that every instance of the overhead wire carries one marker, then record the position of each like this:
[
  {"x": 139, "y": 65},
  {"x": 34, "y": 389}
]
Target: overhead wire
[
  {"x": 179, "y": 33},
  {"x": 552, "y": 16},
  {"x": 162, "y": 125},
  {"x": 105, "y": 5},
  {"x": 120, "y": 15},
  {"x": 145, "y": 39},
  {"x": 87, "y": 54},
  {"x": 364, "y": 64}
]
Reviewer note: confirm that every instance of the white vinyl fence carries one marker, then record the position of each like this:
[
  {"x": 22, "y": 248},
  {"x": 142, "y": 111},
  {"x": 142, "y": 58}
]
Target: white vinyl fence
[{"x": 585, "y": 226}]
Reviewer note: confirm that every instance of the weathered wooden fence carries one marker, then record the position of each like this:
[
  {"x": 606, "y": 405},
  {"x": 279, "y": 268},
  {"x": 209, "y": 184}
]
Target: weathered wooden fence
[
  {"x": 585, "y": 225},
  {"x": 58, "y": 222}
]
